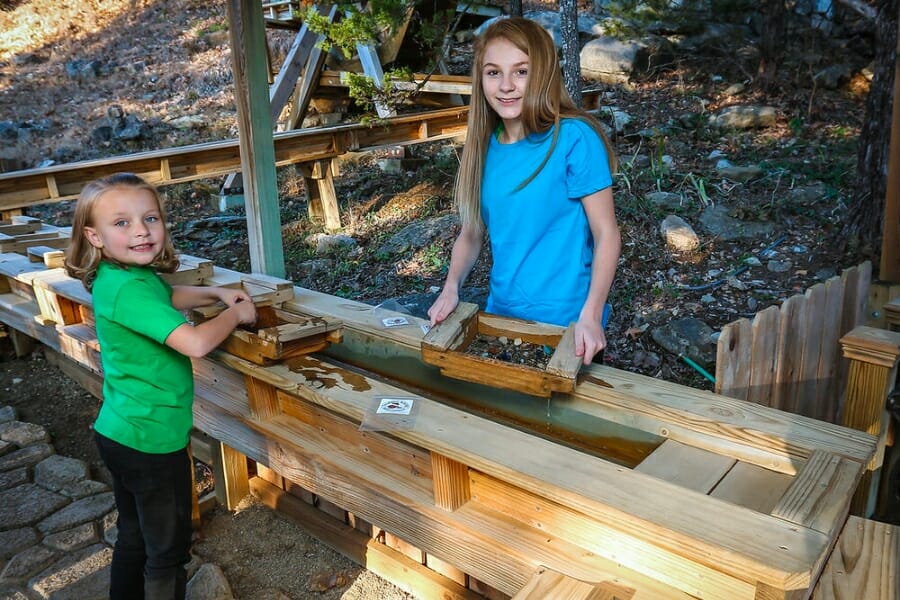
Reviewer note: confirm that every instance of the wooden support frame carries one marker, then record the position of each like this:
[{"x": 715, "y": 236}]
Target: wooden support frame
[
  {"x": 531, "y": 501},
  {"x": 874, "y": 355}
]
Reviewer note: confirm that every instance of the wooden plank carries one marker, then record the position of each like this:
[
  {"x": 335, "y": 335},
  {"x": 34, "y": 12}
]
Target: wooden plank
[
  {"x": 297, "y": 56},
  {"x": 448, "y": 333},
  {"x": 564, "y": 362},
  {"x": 51, "y": 257},
  {"x": 546, "y": 583},
  {"x": 791, "y": 337},
  {"x": 752, "y": 487},
  {"x": 329, "y": 201},
  {"x": 689, "y": 467},
  {"x": 831, "y": 390},
  {"x": 764, "y": 356},
  {"x": 819, "y": 495},
  {"x": 733, "y": 359},
  {"x": 385, "y": 562},
  {"x": 756, "y": 434},
  {"x": 864, "y": 564},
  {"x": 670, "y": 568},
  {"x": 808, "y": 402}
]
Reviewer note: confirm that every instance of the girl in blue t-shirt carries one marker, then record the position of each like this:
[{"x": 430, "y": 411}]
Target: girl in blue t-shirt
[
  {"x": 536, "y": 173},
  {"x": 119, "y": 242}
]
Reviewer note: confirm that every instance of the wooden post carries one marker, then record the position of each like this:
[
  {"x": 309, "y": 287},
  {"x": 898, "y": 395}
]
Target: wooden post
[
  {"x": 451, "y": 482},
  {"x": 873, "y": 355},
  {"x": 236, "y": 479},
  {"x": 890, "y": 242},
  {"x": 263, "y": 398},
  {"x": 320, "y": 193},
  {"x": 251, "y": 94}
]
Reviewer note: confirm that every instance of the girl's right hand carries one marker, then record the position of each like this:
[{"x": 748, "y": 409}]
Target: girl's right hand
[
  {"x": 445, "y": 304},
  {"x": 245, "y": 311}
]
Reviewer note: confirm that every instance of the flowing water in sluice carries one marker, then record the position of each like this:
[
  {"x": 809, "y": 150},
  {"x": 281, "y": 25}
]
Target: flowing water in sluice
[{"x": 557, "y": 420}]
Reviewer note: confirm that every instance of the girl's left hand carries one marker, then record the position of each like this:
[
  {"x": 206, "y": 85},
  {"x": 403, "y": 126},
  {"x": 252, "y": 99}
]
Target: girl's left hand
[
  {"x": 232, "y": 296},
  {"x": 589, "y": 339}
]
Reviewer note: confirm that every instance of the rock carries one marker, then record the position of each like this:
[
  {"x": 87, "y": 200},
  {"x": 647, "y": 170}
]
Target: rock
[
  {"x": 73, "y": 539},
  {"x": 13, "y": 478},
  {"x": 23, "y": 434},
  {"x": 612, "y": 60},
  {"x": 7, "y": 414},
  {"x": 665, "y": 200},
  {"x": 80, "y": 576},
  {"x": 745, "y": 117},
  {"x": 742, "y": 174},
  {"x": 14, "y": 541},
  {"x": 779, "y": 266},
  {"x": 718, "y": 222},
  {"x": 678, "y": 235},
  {"x": 55, "y": 472},
  {"x": 326, "y": 243},
  {"x": 80, "y": 511},
  {"x": 691, "y": 337},
  {"x": 27, "y": 504},
  {"x": 418, "y": 235},
  {"x": 26, "y": 563},
  {"x": 209, "y": 583}
]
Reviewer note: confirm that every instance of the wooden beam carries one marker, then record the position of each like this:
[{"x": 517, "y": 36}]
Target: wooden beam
[
  {"x": 248, "y": 52},
  {"x": 212, "y": 159},
  {"x": 451, "y": 482}
]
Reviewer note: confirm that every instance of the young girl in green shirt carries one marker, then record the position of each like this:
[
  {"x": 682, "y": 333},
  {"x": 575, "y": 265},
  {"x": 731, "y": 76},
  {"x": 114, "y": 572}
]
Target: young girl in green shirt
[{"x": 119, "y": 243}]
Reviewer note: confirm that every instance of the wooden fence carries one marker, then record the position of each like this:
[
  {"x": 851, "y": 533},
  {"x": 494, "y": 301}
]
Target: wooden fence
[{"x": 789, "y": 357}]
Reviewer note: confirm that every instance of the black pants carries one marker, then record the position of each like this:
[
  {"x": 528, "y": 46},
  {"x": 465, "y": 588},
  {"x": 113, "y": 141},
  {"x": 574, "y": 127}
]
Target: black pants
[{"x": 153, "y": 497}]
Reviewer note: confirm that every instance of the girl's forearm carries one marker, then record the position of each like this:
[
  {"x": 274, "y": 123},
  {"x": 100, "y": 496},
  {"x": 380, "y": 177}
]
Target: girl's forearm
[
  {"x": 603, "y": 270},
  {"x": 185, "y": 297},
  {"x": 465, "y": 252}
]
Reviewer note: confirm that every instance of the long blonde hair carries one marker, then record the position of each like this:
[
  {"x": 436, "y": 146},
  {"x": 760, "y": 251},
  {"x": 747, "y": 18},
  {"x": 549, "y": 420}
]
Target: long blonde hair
[
  {"x": 83, "y": 258},
  {"x": 546, "y": 101}
]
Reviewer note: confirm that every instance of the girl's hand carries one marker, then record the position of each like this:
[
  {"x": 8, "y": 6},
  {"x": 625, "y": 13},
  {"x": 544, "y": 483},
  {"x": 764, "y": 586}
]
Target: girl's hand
[
  {"x": 444, "y": 305},
  {"x": 244, "y": 309},
  {"x": 589, "y": 339},
  {"x": 232, "y": 296}
]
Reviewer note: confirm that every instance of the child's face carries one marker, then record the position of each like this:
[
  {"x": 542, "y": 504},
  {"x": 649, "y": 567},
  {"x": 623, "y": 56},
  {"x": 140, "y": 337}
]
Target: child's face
[
  {"x": 504, "y": 78},
  {"x": 127, "y": 226}
]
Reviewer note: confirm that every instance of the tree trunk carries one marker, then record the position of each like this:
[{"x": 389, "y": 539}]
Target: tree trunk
[
  {"x": 771, "y": 42},
  {"x": 864, "y": 226},
  {"x": 571, "y": 49},
  {"x": 515, "y": 8}
]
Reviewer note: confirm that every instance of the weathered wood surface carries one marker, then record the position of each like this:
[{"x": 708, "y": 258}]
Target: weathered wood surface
[{"x": 865, "y": 563}]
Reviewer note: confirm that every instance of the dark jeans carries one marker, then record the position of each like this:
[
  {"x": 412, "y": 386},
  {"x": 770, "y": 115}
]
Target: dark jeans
[{"x": 153, "y": 496}]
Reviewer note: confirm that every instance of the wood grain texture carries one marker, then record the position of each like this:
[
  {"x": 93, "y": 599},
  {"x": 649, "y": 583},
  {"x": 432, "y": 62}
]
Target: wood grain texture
[{"x": 864, "y": 564}]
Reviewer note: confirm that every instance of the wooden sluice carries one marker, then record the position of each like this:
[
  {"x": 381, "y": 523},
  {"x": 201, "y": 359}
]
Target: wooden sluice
[{"x": 684, "y": 494}]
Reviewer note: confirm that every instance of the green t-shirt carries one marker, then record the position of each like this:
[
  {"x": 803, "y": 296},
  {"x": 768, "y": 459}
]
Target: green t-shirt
[{"x": 148, "y": 388}]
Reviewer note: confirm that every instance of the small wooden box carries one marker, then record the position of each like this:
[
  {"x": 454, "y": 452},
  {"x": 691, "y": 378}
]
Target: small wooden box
[
  {"x": 446, "y": 343},
  {"x": 277, "y": 334}
]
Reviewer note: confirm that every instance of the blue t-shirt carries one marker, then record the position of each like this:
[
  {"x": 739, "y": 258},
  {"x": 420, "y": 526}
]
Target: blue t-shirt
[{"x": 540, "y": 238}]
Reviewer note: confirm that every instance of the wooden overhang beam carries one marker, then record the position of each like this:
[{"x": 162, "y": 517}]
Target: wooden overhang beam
[{"x": 19, "y": 189}]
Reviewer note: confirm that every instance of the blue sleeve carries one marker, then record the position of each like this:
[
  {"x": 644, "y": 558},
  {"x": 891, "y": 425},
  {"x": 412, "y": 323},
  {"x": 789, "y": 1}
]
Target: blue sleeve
[
  {"x": 587, "y": 162},
  {"x": 145, "y": 309}
]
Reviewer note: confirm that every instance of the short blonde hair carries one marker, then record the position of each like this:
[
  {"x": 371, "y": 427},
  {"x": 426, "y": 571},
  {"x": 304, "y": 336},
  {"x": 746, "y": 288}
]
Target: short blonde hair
[{"x": 83, "y": 258}]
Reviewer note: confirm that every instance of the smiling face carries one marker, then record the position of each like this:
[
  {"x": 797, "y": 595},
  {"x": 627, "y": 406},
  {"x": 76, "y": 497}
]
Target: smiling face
[
  {"x": 504, "y": 79},
  {"x": 127, "y": 226}
]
